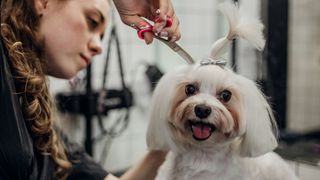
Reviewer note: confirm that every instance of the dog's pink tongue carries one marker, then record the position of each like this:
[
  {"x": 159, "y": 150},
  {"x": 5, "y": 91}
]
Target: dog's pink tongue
[{"x": 201, "y": 132}]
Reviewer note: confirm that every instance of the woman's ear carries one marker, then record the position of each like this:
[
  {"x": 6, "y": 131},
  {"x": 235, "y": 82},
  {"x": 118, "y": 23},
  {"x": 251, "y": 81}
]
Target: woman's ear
[{"x": 40, "y": 6}]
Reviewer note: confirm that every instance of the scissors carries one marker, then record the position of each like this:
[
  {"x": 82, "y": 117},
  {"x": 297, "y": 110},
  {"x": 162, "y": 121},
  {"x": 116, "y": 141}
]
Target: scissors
[{"x": 173, "y": 45}]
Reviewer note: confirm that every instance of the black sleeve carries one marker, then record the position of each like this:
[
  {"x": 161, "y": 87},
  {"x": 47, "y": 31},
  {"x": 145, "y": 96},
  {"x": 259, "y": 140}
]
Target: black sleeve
[
  {"x": 83, "y": 166},
  {"x": 16, "y": 146}
]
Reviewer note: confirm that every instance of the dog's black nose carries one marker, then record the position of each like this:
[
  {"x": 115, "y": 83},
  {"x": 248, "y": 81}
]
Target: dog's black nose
[{"x": 202, "y": 110}]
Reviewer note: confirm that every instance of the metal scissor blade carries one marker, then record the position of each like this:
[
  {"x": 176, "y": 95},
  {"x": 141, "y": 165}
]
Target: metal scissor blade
[{"x": 176, "y": 48}]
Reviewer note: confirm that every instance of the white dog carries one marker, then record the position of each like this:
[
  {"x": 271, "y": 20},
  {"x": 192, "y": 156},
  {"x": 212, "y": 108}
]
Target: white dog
[{"x": 216, "y": 124}]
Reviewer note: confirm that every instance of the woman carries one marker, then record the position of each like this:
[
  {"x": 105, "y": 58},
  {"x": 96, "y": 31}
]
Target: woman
[{"x": 58, "y": 38}]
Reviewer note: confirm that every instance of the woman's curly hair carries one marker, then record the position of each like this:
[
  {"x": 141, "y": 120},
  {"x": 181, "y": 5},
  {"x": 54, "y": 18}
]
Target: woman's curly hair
[{"x": 19, "y": 23}]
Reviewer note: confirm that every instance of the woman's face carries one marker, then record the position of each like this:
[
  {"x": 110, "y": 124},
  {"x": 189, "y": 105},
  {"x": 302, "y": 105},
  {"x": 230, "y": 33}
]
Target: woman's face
[{"x": 71, "y": 32}]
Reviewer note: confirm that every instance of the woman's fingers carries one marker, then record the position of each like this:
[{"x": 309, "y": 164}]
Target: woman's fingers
[
  {"x": 139, "y": 23},
  {"x": 159, "y": 28},
  {"x": 165, "y": 9},
  {"x": 173, "y": 32},
  {"x": 176, "y": 36},
  {"x": 164, "y": 12}
]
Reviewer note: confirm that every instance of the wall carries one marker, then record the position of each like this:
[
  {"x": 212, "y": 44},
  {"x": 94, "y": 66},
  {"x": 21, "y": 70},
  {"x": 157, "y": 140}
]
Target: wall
[{"x": 304, "y": 66}]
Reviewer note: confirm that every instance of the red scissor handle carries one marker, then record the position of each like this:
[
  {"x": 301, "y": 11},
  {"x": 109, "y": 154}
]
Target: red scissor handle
[{"x": 148, "y": 28}]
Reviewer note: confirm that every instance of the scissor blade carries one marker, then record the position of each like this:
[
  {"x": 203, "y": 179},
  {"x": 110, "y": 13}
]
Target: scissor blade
[{"x": 178, "y": 49}]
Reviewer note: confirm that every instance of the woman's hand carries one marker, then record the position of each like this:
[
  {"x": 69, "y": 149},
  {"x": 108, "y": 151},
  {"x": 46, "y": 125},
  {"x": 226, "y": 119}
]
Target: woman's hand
[
  {"x": 146, "y": 169},
  {"x": 132, "y": 13}
]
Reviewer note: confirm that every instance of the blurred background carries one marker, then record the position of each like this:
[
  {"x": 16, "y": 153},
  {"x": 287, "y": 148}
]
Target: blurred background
[{"x": 106, "y": 107}]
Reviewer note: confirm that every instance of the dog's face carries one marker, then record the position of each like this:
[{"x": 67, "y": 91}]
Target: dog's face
[
  {"x": 209, "y": 106},
  {"x": 206, "y": 108}
]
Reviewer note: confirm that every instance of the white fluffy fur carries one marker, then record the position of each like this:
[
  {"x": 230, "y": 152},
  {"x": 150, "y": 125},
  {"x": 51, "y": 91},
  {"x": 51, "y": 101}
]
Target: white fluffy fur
[
  {"x": 239, "y": 26},
  {"x": 240, "y": 148},
  {"x": 245, "y": 155}
]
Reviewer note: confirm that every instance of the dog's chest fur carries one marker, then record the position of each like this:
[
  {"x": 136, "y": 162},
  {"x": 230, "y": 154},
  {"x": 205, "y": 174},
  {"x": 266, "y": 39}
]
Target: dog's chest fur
[
  {"x": 197, "y": 166},
  {"x": 194, "y": 165}
]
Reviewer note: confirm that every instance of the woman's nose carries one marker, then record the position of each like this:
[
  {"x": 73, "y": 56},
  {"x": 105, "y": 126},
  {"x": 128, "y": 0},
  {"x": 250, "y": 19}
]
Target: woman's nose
[{"x": 95, "y": 45}]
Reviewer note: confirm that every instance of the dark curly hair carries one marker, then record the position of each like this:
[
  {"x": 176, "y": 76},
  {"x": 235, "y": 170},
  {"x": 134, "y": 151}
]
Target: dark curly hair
[{"x": 19, "y": 23}]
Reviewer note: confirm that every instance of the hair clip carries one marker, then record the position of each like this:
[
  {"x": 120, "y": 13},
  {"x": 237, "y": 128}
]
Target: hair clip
[{"x": 209, "y": 61}]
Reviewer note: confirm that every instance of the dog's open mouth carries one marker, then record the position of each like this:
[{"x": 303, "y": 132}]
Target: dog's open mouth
[{"x": 201, "y": 130}]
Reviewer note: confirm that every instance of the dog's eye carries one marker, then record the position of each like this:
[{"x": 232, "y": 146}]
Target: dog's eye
[
  {"x": 225, "y": 95},
  {"x": 190, "y": 89}
]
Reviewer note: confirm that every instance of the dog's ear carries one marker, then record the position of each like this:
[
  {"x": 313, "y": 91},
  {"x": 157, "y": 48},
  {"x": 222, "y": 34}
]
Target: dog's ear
[
  {"x": 158, "y": 133},
  {"x": 261, "y": 129}
]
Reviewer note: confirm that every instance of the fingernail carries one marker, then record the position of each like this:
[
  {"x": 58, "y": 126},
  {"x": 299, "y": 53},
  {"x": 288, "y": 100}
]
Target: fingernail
[
  {"x": 158, "y": 12},
  {"x": 160, "y": 26},
  {"x": 133, "y": 26},
  {"x": 173, "y": 39},
  {"x": 164, "y": 34}
]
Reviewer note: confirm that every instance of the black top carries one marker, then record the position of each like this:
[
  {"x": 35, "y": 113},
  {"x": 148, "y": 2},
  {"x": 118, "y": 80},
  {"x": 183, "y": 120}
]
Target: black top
[{"x": 19, "y": 160}]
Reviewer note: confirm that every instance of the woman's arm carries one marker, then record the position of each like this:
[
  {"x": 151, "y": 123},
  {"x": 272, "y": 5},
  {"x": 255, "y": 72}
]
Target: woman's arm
[{"x": 145, "y": 169}]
